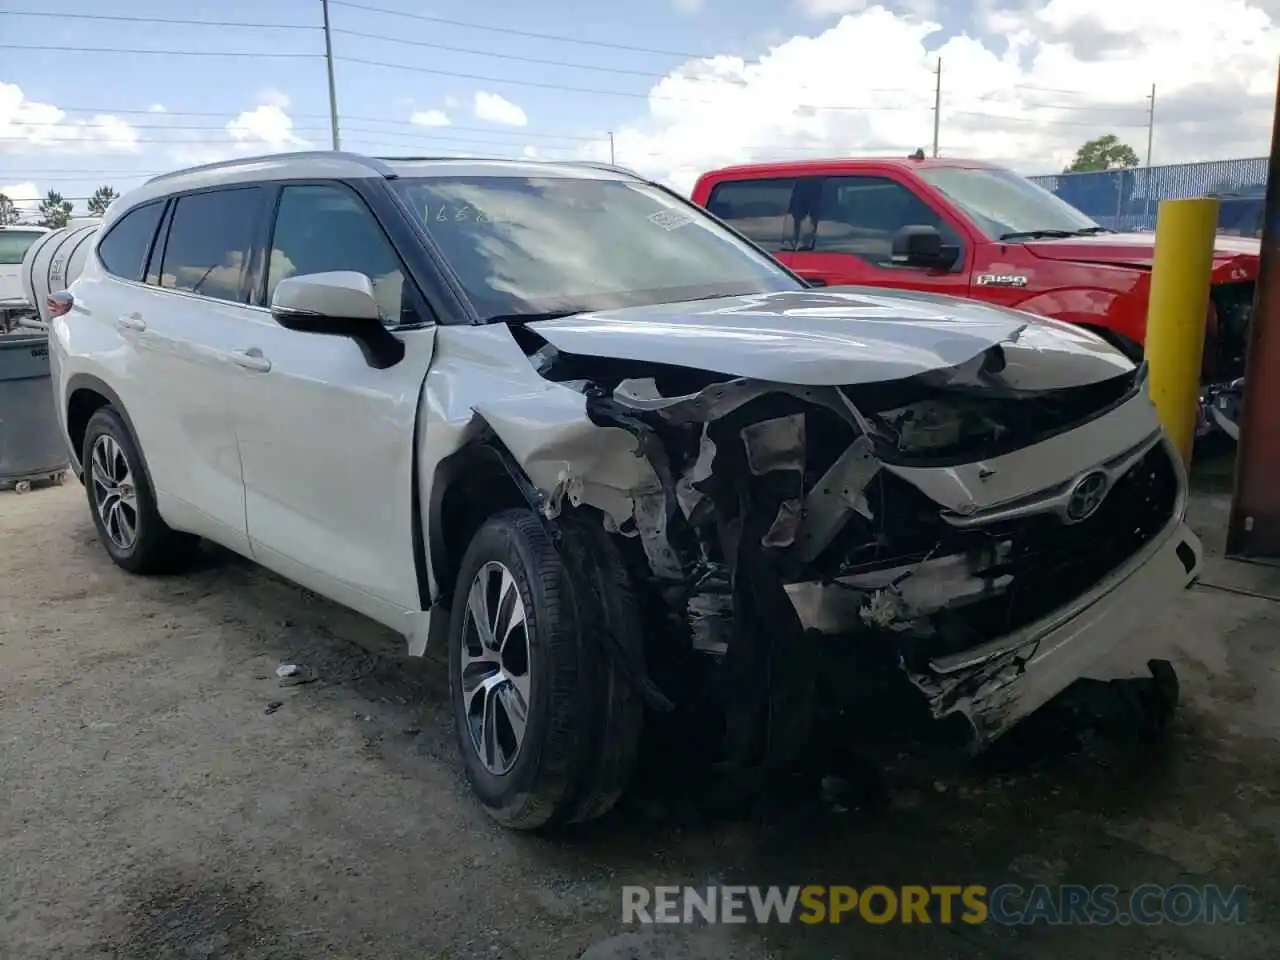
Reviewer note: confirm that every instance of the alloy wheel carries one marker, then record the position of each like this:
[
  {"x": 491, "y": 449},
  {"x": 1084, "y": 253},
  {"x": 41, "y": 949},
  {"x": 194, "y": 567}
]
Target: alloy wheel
[
  {"x": 114, "y": 494},
  {"x": 495, "y": 672}
]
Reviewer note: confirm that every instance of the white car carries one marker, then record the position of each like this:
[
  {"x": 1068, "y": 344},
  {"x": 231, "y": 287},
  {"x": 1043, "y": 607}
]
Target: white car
[
  {"x": 15, "y": 241},
  {"x": 621, "y": 462}
]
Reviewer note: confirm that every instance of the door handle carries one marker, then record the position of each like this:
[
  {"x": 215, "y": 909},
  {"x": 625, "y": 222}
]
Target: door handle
[
  {"x": 252, "y": 359},
  {"x": 131, "y": 321}
]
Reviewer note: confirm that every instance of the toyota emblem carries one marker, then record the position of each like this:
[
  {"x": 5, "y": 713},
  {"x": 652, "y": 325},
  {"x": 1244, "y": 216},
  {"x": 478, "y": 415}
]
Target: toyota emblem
[{"x": 1086, "y": 496}]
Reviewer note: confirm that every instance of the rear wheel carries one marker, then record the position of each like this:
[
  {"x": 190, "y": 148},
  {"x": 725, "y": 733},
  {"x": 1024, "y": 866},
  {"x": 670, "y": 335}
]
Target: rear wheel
[
  {"x": 122, "y": 501},
  {"x": 547, "y": 724}
]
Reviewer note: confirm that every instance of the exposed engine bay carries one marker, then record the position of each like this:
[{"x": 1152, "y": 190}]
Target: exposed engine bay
[{"x": 808, "y": 548}]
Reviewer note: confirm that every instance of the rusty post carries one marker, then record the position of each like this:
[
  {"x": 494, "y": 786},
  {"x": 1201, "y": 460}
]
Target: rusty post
[{"x": 1254, "y": 529}]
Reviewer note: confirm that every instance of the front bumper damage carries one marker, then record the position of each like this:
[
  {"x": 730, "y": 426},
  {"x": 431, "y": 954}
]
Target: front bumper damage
[
  {"x": 997, "y": 686},
  {"x": 776, "y": 529}
]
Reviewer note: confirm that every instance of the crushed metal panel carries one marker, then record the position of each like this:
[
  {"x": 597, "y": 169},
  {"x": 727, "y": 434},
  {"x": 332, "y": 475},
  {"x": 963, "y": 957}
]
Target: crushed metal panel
[
  {"x": 480, "y": 377},
  {"x": 721, "y": 399},
  {"x": 835, "y": 496},
  {"x": 776, "y": 444}
]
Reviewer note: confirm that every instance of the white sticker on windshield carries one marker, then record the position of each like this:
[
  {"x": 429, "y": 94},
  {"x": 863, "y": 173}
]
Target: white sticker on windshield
[{"x": 670, "y": 219}]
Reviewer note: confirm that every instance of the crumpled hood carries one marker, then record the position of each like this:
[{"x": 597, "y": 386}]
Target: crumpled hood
[
  {"x": 839, "y": 336},
  {"x": 1137, "y": 249}
]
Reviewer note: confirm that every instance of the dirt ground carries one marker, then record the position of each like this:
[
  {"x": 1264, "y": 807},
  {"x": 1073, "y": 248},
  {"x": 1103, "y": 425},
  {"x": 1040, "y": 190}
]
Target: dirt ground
[{"x": 163, "y": 796}]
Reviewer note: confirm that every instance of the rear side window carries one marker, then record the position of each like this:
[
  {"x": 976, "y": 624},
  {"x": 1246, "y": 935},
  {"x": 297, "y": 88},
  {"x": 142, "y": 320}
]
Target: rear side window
[
  {"x": 124, "y": 248},
  {"x": 757, "y": 209},
  {"x": 209, "y": 242},
  {"x": 14, "y": 245}
]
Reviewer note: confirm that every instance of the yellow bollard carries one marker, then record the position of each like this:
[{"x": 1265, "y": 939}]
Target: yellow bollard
[{"x": 1177, "y": 313}]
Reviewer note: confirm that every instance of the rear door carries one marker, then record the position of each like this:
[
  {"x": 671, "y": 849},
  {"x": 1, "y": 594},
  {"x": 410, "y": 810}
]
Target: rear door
[
  {"x": 326, "y": 440},
  {"x": 185, "y": 323}
]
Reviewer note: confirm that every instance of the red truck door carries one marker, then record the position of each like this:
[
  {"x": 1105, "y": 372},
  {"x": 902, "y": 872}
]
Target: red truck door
[{"x": 839, "y": 228}]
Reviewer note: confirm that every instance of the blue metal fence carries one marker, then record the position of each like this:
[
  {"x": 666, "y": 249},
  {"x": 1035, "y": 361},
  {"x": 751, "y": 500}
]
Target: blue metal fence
[{"x": 1127, "y": 199}]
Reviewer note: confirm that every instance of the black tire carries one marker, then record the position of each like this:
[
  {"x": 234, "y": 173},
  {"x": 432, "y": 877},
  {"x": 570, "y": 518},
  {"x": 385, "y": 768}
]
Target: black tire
[
  {"x": 156, "y": 548},
  {"x": 584, "y": 716}
]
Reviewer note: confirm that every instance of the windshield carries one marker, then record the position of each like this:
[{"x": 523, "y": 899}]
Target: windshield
[
  {"x": 1001, "y": 202},
  {"x": 14, "y": 244},
  {"x": 523, "y": 246}
]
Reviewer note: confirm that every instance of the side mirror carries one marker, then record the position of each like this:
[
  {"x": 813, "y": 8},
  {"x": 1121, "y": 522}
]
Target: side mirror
[
  {"x": 341, "y": 304},
  {"x": 922, "y": 246}
]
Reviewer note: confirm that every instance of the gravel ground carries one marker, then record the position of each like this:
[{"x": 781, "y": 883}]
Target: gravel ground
[{"x": 162, "y": 795}]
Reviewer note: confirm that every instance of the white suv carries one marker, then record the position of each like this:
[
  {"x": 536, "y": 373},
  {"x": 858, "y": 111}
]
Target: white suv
[{"x": 631, "y": 470}]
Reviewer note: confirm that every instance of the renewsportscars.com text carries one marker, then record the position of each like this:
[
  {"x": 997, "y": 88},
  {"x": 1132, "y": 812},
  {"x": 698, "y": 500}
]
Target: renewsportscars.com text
[{"x": 1007, "y": 905}]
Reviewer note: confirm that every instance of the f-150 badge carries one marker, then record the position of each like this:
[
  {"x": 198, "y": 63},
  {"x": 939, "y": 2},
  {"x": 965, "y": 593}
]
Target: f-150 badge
[{"x": 1001, "y": 280}]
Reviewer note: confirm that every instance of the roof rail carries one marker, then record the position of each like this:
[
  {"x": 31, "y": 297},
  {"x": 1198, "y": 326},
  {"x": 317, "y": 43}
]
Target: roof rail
[
  {"x": 373, "y": 163},
  {"x": 413, "y": 159},
  {"x": 534, "y": 160},
  {"x": 599, "y": 165}
]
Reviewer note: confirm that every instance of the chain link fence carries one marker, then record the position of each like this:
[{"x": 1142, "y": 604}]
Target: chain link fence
[{"x": 1127, "y": 199}]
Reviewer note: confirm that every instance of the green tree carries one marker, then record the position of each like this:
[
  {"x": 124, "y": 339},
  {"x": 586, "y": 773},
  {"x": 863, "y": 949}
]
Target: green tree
[
  {"x": 101, "y": 199},
  {"x": 54, "y": 211},
  {"x": 1103, "y": 153},
  {"x": 8, "y": 211}
]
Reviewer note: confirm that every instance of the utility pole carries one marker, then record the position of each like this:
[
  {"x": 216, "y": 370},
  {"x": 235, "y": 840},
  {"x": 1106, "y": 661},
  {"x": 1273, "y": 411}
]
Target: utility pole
[
  {"x": 328, "y": 62},
  {"x": 937, "y": 106},
  {"x": 1151, "y": 123},
  {"x": 612, "y": 163},
  {"x": 1151, "y": 131}
]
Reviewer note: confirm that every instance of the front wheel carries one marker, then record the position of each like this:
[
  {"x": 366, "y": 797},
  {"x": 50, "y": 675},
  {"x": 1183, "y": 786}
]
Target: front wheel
[{"x": 547, "y": 724}]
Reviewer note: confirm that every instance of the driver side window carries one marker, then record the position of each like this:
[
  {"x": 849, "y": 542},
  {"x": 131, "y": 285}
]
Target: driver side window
[
  {"x": 861, "y": 215},
  {"x": 320, "y": 229}
]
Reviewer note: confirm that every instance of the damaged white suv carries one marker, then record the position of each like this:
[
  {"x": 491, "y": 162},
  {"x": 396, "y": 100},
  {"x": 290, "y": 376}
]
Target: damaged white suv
[{"x": 617, "y": 459}]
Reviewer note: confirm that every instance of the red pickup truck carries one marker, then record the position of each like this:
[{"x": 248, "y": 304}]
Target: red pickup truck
[{"x": 970, "y": 229}]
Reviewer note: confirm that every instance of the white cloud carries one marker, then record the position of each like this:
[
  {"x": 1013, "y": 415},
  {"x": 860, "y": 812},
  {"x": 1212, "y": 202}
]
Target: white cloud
[
  {"x": 25, "y": 196},
  {"x": 689, "y": 6},
  {"x": 451, "y": 103},
  {"x": 1025, "y": 86},
  {"x": 265, "y": 128},
  {"x": 830, "y": 8},
  {"x": 498, "y": 109},
  {"x": 28, "y": 125},
  {"x": 271, "y": 97},
  {"x": 430, "y": 118},
  {"x": 157, "y": 108}
]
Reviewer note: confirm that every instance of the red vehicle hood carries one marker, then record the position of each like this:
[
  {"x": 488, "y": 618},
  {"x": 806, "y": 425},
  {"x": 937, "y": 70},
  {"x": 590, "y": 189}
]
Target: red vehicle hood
[{"x": 1234, "y": 258}]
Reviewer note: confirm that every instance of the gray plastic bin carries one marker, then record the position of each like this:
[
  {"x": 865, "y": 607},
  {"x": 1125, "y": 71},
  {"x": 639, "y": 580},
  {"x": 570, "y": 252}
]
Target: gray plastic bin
[{"x": 31, "y": 444}]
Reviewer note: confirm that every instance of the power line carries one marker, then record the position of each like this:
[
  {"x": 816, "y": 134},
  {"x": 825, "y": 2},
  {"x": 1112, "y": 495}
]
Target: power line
[
  {"x": 111, "y": 111},
  {"x": 172, "y": 53},
  {"x": 648, "y": 74},
  {"x": 509, "y": 31},
  {"x": 414, "y": 129},
  {"x": 172, "y": 21},
  {"x": 595, "y": 90},
  {"x": 1040, "y": 121}
]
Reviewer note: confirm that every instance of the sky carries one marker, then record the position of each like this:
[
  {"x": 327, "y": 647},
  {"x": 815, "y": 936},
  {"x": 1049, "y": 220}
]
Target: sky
[{"x": 95, "y": 94}]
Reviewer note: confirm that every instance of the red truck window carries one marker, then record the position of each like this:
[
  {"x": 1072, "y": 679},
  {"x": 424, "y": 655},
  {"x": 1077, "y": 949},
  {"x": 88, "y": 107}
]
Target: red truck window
[
  {"x": 860, "y": 216},
  {"x": 757, "y": 209},
  {"x": 851, "y": 215}
]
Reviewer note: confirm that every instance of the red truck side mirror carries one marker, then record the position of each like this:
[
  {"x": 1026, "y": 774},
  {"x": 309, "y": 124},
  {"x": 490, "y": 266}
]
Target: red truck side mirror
[{"x": 922, "y": 246}]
